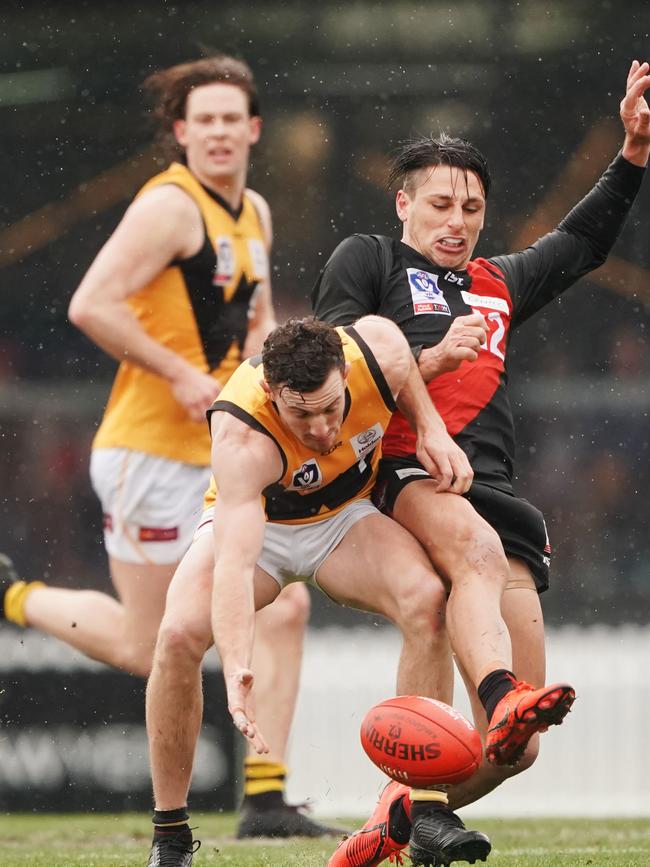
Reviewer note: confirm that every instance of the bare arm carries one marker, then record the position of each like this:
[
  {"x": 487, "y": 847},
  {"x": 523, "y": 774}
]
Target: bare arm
[
  {"x": 262, "y": 319},
  {"x": 436, "y": 450},
  {"x": 160, "y": 226},
  {"x": 244, "y": 462}
]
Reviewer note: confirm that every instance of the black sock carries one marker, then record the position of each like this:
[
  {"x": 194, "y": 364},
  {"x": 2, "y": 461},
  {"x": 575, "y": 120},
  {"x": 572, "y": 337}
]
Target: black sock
[
  {"x": 399, "y": 824},
  {"x": 171, "y": 822},
  {"x": 264, "y": 800},
  {"x": 493, "y": 687},
  {"x": 420, "y": 807}
]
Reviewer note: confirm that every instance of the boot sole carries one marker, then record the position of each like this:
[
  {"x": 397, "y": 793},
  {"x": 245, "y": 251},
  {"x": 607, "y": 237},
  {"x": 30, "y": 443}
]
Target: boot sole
[
  {"x": 538, "y": 719},
  {"x": 472, "y": 851}
]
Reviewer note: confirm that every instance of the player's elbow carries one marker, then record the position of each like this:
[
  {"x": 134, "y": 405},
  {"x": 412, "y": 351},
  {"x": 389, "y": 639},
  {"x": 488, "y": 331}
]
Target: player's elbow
[{"x": 80, "y": 312}]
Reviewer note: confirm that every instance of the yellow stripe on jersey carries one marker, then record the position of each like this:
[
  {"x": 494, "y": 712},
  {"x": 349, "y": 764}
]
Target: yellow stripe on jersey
[
  {"x": 314, "y": 486},
  {"x": 194, "y": 307}
]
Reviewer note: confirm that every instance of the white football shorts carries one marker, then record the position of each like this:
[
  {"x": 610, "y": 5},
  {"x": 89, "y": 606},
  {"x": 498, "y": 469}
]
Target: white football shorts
[
  {"x": 151, "y": 505},
  {"x": 295, "y": 552}
]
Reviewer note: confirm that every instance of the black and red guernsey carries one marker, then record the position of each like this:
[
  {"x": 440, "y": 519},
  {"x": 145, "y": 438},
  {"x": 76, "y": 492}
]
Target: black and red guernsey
[{"x": 371, "y": 274}]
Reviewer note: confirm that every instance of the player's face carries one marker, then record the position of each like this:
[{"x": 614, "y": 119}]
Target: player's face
[
  {"x": 442, "y": 215},
  {"x": 314, "y": 417},
  {"x": 217, "y": 133}
]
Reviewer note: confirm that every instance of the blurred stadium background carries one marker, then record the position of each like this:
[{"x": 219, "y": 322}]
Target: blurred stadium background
[{"x": 536, "y": 86}]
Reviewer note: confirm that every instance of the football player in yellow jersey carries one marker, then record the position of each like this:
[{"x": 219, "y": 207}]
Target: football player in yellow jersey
[
  {"x": 296, "y": 444},
  {"x": 178, "y": 295}
]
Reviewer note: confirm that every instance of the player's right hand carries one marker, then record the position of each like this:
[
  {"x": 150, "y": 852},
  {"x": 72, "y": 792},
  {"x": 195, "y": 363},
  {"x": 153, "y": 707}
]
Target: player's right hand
[
  {"x": 461, "y": 343},
  {"x": 239, "y": 684},
  {"x": 195, "y": 391}
]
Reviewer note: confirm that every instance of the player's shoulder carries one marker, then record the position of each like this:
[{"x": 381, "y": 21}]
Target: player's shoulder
[
  {"x": 263, "y": 212},
  {"x": 166, "y": 199},
  {"x": 488, "y": 269},
  {"x": 382, "y": 337}
]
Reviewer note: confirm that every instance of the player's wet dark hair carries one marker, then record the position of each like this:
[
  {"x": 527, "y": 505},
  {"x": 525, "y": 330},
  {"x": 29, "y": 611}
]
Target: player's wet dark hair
[
  {"x": 171, "y": 87},
  {"x": 424, "y": 152},
  {"x": 301, "y": 354}
]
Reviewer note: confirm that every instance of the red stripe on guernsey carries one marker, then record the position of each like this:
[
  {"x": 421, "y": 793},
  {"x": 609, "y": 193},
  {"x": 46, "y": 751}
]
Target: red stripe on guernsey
[
  {"x": 460, "y": 395},
  {"x": 158, "y": 534},
  {"x": 108, "y": 522}
]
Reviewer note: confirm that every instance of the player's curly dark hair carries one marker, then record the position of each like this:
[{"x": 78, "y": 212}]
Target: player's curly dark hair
[
  {"x": 424, "y": 152},
  {"x": 301, "y": 354}
]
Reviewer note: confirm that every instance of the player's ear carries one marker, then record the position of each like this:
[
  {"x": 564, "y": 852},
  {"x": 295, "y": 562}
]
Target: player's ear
[
  {"x": 255, "y": 124},
  {"x": 346, "y": 370},
  {"x": 267, "y": 388},
  {"x": 401, "y": 205},
  {"x": 178, "y": 128}
]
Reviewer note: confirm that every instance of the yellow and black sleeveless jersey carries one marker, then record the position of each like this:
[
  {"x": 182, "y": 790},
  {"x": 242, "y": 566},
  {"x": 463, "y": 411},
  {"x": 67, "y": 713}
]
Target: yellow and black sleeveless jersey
[
  {"x": 198, "y": 308},
  {"x": 314, "y": 486}
]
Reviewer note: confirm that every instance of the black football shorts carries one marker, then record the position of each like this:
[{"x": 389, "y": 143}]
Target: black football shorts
[{"x": 519, "y": 524}]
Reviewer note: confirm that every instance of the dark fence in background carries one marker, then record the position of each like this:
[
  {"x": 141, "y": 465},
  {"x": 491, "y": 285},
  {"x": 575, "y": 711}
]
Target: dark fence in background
[{"x": 74, "y": 738}]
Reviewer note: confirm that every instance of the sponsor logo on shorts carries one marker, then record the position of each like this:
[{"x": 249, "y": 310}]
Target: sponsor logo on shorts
[
  {"x": 158, "y": 534},
  {"x": 365, "y": 441},
  {"x": 308, "y": 476},
  {"x": 489, "y": 301},
  {"x": 411, "y": 471},
  {"x": 427, "y": 296}
]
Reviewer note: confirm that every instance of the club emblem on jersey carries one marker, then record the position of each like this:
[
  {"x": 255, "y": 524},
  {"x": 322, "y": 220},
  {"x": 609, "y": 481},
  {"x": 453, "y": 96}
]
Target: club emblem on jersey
[
  {"x": 224, "y": 269},
  {"x": 426, "y": 294},
  {"x": 259, "y": 258},
  {"x": 307, "y": 477},
  {"x": 366, "y": 441}
]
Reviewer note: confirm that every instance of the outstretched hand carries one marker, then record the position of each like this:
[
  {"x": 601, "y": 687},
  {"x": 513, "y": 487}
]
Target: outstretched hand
[
  {"x": 635, "y": 114},
  {"x": 239, "y": 685}
]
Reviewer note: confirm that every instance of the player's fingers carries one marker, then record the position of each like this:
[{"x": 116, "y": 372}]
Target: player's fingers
[
  {"x": 445, "y": 473},
  {"x": 466, "y": 353},
  {"x": 463, "y": 473}
]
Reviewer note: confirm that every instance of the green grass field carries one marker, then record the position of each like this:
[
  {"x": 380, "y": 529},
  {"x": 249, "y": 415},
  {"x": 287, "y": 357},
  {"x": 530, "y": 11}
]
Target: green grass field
[{"x": 123, "y": 841}]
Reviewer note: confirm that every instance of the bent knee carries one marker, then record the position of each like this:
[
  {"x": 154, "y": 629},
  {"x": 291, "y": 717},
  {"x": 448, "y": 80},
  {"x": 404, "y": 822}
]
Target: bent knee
[
  {"x": 137, "y": 659},
  {"x": 180, "y": 642},
  {"x": 420, "y": 602},
  {"x": 526, "y": 761},
  {"x": 292, "y": 607}
]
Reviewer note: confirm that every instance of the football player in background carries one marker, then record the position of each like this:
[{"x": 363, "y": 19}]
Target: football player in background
[{"x": 178, "y": 295}]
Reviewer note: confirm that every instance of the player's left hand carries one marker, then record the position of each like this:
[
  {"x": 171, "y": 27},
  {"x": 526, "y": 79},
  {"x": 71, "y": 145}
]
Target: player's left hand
[
  {"x": 239, "y": 685},
  {"x": 635, "y": 114},
  {"x": 445, "y": 462}
]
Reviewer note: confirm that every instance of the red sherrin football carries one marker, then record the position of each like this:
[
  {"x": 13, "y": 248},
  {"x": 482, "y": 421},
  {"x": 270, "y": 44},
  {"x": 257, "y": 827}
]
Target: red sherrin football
[{"x": 420, "y": 741}]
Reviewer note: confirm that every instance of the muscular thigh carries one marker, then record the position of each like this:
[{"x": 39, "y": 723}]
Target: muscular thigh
[
  {"x": 452, "y": 532},
  {"x": 375, "y": 562},
  {"x": 190, "y": 592}
]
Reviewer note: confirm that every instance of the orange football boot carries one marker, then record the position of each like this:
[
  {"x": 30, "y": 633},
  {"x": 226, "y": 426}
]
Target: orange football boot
[
  {"x": 520, "y": 714},
  {"x": 373, "y": 843}
]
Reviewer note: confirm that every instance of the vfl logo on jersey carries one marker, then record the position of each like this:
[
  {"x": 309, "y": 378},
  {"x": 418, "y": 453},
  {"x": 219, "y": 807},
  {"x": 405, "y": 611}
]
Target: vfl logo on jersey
[
  {"x": 425, "y": 292},
  {"x": 225, "y": 268},
  {"x": 366, "y": 441},
  {"x": 307, "y": 477},
  {"x": 259, "y": 258}
]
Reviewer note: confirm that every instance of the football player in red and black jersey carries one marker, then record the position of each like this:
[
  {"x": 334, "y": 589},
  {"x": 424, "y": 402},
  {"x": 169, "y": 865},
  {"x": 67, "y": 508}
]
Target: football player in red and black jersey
[{"x": 457, "y": 313}]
